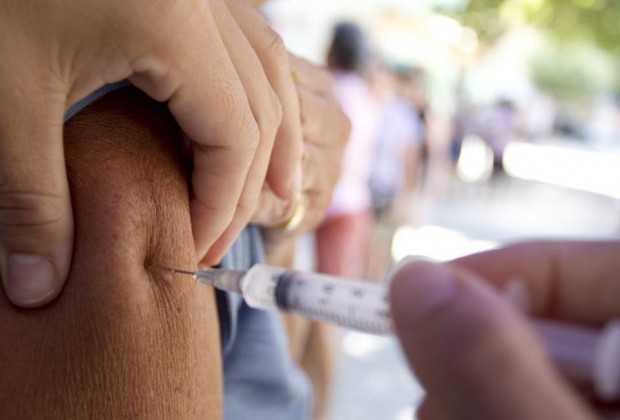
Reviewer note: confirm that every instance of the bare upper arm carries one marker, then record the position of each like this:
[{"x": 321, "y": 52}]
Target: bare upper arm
[{"x": 121, "y": 341}]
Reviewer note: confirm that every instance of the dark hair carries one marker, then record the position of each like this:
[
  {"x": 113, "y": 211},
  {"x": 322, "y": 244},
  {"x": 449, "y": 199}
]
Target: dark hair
[{"x": 348, "y": 49}]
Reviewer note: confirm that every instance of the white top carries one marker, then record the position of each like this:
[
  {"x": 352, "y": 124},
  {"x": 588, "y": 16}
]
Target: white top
[{"x": 352, "y": 194}]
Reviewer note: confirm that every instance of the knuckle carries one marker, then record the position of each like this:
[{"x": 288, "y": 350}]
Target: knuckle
[
  {"x": 274, "y": 46},
  {"x": 22, "y": 211},
  {"x": 345, "y": 127},
  {"x": 276, "y": 110},
  {"x": 249, "y": 134},
  {"x": 246, "y": 208},
  {"x": 271, "y": 114}
]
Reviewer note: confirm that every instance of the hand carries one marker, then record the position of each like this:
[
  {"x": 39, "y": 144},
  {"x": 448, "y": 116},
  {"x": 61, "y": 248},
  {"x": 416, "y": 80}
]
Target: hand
[
  {"x": 325, "y": 131},
  {"x": 474, "y": 354},
  {"x": 224, "y": 74}
]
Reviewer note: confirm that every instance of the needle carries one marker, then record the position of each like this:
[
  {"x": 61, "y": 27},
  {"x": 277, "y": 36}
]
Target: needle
[{"x": 174, "y": 270}]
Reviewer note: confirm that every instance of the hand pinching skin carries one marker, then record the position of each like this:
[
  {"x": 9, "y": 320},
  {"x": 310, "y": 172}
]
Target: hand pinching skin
[{"x": 224, "y": 74}]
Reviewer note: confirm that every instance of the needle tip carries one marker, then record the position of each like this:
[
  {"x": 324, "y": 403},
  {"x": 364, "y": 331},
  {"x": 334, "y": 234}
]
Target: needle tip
[{"x": 172, "y": 271}]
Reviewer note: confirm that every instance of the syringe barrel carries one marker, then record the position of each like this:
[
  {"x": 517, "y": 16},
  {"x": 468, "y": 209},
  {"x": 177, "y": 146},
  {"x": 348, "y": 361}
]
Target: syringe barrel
[
  {"x": 359, "y": 305},
  {"x": 258, "y": 286}
]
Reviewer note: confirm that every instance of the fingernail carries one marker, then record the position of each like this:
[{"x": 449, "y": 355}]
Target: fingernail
[
  {"x": 29, "y": 278},
  {"x": 419, "y": 289}
]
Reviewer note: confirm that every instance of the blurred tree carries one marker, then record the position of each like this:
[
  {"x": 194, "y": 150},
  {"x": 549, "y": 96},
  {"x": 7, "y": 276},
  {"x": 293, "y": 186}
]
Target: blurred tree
[
  {"x": 597, "y": 21},
  {"x": 573, "y": 71}
]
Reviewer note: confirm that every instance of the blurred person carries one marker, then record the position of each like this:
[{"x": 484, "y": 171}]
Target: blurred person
[
  {"x": 436, "y": 160},
  {"x": 499, "y": 126},
  {"x": 223, "y": 74},
  {"x": 342, "y": 239},
  {"x": 462, "y": 121},
  {"x": 437, "y": 128},
  {"x": 413, "y": 82},
  {"x": 399, "y": 143},
  {"x": 461, "y": 127},
  {"x": 476, "y": 355},
  {"x": 395, "y": 166}
]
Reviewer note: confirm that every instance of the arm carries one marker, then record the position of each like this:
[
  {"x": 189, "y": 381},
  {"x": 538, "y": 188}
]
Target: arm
[{"x": 121, "y": 341}]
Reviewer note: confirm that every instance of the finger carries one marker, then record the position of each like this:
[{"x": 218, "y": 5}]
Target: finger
[
  {"x": 473, "y": 354},
  {"x": 575, "y": 281},
  {"x": 271, "y": 210},
  {"x": 267, "y": 112},
  {"x": 284, "y": 174},
  {"x": 219, "y": 120},
  {"x": 428, "y": 410},
  {"x": 326, "y": 131},
  {"x": 322, "y": 167},
  {"x": 315, "y": 169},
  {"x": 36, "y": 223},
  {"x": 265, "y": 207},
  {"x": 317, "y": 114}
]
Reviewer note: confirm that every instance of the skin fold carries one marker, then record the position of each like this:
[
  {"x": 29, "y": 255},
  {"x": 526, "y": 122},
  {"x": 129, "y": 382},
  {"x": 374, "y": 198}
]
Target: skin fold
[{"x": 222, "y": 71}]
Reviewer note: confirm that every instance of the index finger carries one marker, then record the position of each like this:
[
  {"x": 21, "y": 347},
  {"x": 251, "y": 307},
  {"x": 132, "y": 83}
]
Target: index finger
[
  {"x": 208, "y": 100},
  {"x": 282, "y": 177},
  {"x": 573, "y": 280}
]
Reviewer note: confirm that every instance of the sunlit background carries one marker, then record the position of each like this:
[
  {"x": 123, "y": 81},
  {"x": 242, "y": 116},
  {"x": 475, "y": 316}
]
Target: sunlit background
[{"x": 558, "y": 62}]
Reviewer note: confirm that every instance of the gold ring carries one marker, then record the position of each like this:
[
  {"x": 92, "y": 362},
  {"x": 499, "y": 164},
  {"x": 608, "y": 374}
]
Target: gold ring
[{"x": 296, "y": 218}]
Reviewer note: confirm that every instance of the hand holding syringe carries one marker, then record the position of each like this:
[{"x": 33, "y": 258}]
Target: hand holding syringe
[{"x": 585, "y": 354}]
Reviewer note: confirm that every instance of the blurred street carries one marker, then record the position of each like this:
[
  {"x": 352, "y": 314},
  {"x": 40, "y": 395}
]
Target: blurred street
[{"x": 372, "y": 381}]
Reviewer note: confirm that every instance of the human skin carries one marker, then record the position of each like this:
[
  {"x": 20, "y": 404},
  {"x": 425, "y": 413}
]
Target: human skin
[
  {"x": 224, "y": 75},
  {"x": 123, "y": 340},
  {"x": 475, "y": 355},
  {"x": 325, "y": 131}
]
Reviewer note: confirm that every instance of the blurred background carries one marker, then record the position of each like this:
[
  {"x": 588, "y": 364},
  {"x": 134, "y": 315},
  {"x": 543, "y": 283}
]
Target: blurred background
[{"x": 514, "y": 134}]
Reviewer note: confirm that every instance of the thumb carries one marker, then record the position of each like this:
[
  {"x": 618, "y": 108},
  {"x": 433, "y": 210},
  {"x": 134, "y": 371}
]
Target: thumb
[
  {"x": 36, "y": 225},
  {"x": 473, "y": 354}
]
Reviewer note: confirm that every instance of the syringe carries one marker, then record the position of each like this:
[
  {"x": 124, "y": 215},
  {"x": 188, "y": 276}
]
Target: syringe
[{"x": 585, "y": 354}]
